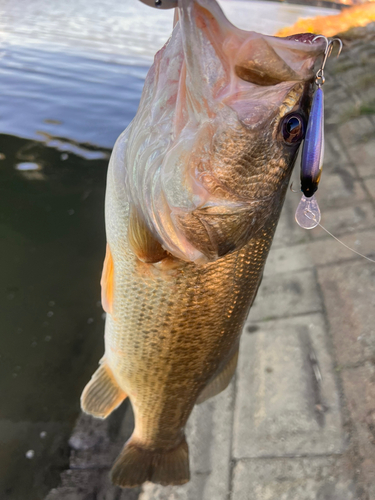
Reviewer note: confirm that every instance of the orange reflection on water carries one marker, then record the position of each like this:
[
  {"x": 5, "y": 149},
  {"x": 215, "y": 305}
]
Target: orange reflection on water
[
  {"x": 357, "y": 15},
  {"x": 350, "y": 2}
]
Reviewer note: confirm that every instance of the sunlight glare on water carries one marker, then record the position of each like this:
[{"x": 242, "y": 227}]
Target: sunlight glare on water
[
  {"x": 76, "y": 68},
  {"x": 120, "y": 31},
  {"x": 27, "y": 166}
]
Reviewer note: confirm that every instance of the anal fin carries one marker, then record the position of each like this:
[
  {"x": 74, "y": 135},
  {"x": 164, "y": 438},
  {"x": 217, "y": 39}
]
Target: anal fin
[
  {"x": 102, "y": 394},
  {"x": 221, "y": 381}
]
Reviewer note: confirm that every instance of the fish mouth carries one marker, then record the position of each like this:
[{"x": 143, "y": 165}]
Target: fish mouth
[
  {"x": 222, "y": 60},
  {"x": 302, "y": 37},
  {"x": 253, "y": 57},
  {"x": 247, "y": 71}
]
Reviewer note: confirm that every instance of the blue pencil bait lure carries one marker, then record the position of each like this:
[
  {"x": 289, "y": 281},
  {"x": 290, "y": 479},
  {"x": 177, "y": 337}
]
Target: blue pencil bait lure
[
  {"x": 308, "y": 212},
  {"x": 313, "y": 147}
]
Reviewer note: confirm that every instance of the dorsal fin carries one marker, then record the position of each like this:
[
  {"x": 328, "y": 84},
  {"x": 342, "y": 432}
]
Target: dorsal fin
[
  {"x": 142, "y": 242},
  {"x": 107, "y": 281}
]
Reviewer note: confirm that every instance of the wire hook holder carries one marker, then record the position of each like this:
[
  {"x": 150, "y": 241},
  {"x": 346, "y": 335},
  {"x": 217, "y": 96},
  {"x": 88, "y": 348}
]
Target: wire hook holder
[{"x": 319, "y": 77}]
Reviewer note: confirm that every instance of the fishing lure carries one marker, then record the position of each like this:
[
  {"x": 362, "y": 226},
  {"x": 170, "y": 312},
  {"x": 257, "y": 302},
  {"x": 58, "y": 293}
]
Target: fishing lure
[{"x": 308, "y": 212}]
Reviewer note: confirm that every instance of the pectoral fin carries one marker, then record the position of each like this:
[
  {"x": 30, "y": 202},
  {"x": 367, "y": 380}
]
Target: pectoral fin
[
  {"x": 142, "y": 242},
  {"x": 221, "y": 381},
  {"x": 102, "y": 394}
]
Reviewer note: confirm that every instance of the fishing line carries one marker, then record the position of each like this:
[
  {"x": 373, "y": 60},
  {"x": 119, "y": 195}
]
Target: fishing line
[{"x": 307, "y": 213}]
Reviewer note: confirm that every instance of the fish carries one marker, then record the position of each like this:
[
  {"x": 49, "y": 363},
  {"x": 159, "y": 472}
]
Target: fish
[{"x": 195, "y": 187}]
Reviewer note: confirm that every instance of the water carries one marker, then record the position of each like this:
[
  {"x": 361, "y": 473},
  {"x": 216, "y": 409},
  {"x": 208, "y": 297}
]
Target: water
[
  {"x": 75, "y": 69},
  {"x": 71, "y": 77}
]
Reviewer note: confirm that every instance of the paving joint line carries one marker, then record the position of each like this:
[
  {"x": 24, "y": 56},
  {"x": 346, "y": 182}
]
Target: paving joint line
[
  {"x": 355, "y": 365},
  {"x": 287, "y": 456},
  {"x": 231, "y": 460},
  {"x": 353, "y": 162},
  {"x": 276, "y": 318}
]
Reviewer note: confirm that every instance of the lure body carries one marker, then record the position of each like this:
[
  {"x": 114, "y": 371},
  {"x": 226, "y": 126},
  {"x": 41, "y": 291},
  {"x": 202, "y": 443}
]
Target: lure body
[{"x": 313, "y": 147}]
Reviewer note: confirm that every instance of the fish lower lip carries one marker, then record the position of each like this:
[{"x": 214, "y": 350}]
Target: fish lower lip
[{"x": 302, "y": 37}]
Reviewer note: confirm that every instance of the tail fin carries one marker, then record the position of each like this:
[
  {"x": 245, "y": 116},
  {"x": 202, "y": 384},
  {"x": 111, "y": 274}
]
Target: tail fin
[{"x": 136, "y": 464}]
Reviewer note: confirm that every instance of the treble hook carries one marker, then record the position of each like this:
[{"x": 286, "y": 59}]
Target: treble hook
[{"x": 319, "y": 77}]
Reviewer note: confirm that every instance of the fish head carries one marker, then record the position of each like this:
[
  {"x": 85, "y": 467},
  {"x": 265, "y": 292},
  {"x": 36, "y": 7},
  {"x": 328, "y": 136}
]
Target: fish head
[{"x": 220, "y": 122}]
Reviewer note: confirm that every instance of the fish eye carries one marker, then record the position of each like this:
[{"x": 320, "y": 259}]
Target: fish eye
[{"x": 293, "y": 128}]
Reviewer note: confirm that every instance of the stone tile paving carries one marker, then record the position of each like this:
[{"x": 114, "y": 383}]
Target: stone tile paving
[
  {"x": 298, "y": 420},
  {"x": 316, "y": 478},
  {"x": 287, "y": 401}
]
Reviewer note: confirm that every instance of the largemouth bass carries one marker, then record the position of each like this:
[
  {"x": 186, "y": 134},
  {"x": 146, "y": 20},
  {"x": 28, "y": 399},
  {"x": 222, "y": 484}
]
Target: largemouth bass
[{"x": 194, "y": 192}]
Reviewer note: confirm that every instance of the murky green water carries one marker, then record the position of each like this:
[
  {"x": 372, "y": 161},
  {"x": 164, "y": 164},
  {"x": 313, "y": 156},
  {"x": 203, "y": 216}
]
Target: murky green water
[
  {"x": 52, "y": 243},
  {"x": 71, "y": 77}
]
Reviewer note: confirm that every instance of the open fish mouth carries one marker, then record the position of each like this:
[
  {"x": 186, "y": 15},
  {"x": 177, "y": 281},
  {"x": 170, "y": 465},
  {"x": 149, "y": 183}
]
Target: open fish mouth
[{"x": 302, "y": 37}]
